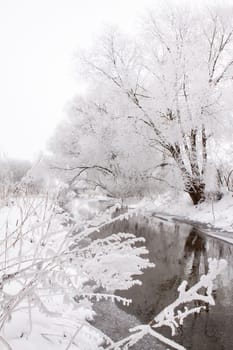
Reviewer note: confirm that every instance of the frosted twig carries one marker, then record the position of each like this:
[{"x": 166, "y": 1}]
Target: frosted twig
[
  {"x": 169, "y": 317},
  {"x": 172, "y": 317}
]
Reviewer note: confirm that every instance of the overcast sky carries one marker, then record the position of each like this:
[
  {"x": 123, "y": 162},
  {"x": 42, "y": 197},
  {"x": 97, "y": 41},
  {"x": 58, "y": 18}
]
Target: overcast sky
[{"x": 38, "y": 40}]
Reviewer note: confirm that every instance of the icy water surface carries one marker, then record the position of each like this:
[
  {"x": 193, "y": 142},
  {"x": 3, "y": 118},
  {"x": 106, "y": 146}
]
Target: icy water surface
[{"x": 180, "y": 253}]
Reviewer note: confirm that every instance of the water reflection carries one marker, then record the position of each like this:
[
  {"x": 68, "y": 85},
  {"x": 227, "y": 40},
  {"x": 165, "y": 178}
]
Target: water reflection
[{"x": 180, "y": 253}]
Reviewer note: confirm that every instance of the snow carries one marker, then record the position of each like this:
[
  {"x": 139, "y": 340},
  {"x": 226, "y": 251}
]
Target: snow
[
  {"x": 213, "y": 217},
  {"x": 48, "y": 280},
  {"x": 31, "y": 232},
  {"x": 50, "y": 333},
  {"x": 174, "y": 314}
]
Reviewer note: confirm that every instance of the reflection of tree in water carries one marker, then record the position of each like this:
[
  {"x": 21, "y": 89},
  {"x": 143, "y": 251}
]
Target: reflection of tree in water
[
  {"x": 179, "y": 254},
  {"x": 194, "y": 252},
  {"x": 195, "y": 264}
]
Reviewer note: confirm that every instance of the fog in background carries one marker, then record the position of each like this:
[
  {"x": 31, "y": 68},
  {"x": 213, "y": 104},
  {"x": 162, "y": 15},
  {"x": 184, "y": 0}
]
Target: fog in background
[{"x": 38, "y": 44}]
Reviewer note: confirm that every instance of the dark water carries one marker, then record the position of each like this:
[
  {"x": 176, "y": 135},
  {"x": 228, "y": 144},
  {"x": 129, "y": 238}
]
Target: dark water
[{"x": 180, "y": 253}]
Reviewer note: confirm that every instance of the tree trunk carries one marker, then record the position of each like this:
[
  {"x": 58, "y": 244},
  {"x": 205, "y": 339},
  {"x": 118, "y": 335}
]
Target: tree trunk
[{"x": 196, "y": 192}]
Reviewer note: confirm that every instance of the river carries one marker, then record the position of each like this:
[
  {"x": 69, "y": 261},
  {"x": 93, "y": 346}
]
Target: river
[{"x": 180, "y": 252}]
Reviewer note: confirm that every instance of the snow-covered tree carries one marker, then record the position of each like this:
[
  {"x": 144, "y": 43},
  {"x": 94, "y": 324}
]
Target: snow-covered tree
[
  {"x": 100, "y": 141},
  {"x": 177, "y": 78}
]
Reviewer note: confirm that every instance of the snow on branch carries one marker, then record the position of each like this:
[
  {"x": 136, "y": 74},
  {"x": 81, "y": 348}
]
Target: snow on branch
[
  {"x": 169, "y": 317},
  {"x": 174, "y": 315},
  {"x": 52, "y": 269},
  {"x": 112, "y": 297}
]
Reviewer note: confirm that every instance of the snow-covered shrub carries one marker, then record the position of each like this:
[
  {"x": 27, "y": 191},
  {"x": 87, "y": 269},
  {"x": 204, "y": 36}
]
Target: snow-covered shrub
[{"x": 49, "y": 275}]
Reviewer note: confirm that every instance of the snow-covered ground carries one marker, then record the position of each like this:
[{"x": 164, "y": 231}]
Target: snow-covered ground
[
  {"x": 40, "y": 276},
  {"x": 48, "y": 281},
  {"x": 216, "y": 216},
  {"x": 35, "y": 312}
]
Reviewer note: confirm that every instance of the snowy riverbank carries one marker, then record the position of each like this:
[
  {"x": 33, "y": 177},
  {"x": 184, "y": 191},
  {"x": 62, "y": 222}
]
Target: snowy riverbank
[{"x": 216, "y": 215}]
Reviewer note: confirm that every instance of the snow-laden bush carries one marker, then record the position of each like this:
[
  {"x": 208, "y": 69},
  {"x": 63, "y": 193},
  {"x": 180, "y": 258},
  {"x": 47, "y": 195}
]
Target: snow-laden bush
[
  {"x": 49, "y": 275},
  {"x": 52, "y": 271}
]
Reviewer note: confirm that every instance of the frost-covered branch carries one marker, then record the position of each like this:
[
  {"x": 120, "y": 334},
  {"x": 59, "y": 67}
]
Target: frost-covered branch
[
  {"x": 174, "y": 315},
  {"x": 47, "y": 263}
]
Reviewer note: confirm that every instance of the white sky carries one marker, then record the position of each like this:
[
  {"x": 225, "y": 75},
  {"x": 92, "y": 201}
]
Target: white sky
[{"x": 38, "y": 39}]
